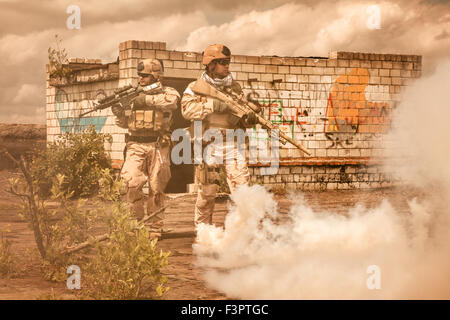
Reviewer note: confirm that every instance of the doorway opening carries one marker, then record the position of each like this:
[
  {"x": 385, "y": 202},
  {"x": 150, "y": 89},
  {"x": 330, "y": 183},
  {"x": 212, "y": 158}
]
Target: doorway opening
[{"x": 182, "y": 174}]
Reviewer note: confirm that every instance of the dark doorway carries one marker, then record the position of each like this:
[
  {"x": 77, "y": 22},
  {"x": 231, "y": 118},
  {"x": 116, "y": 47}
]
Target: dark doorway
[{"x": 182, "y": 174}]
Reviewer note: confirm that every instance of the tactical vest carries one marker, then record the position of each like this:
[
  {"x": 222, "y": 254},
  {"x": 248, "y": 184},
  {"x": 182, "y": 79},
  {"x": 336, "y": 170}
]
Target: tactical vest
[{"x": 148, "y": 121}]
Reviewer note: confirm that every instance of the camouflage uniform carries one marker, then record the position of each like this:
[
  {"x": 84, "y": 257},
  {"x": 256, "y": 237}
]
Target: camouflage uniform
[
  {"x": 197, "y": 107},
  {"x": 148, "y": 150}
]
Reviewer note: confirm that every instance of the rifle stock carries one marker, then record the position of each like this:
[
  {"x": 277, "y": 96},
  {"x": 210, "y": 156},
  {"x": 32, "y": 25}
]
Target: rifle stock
[{"x": 204, "y": 88}]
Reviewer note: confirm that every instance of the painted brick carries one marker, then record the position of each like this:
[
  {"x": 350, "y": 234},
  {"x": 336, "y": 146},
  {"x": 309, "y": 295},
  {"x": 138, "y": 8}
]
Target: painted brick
[
  {"x": 272, "y": 69},
  {"x": 256, "y": 76},
  {"x": 332, "y": 63},
  {"x": 241, "y": 76},
  {"x": 161, "y": 54},
  {"x": 325, "y": 79},
  {"x": 190, "y": 56},
  {"x": 179, "y": 64},
  {"x": 265, "y": 60},
  {"x": 175, "y": 55},
  {"x": 308, "y": 70},
  {"x": 355, "y": 63},
  {"x": 386, "y": 80},
  {"x": 252, "y": 59},
  {"x": 300, "y": 62},
  {"x": 343, "y": 63},
  {"x": 247, "y": 67},
  {"x": 296, "y": 70},
  {"x": 407, "y": 66},
  {"x": 283, "y": 69},
  {"x": 260, "y": 68},
  {"x": 182, "y": 73},
  {"x": 194, "y": 65},
  {"x": 405, "y": 73},
  {"x": 266, "y": 77},
  {"x": 235, "y": 67},
  {"x": 168, "y": 64},
  {"x": 396, "y": 81},
  {"x": 314, "y": 79},
  {"x": 291, "y": 78},
  {"x": 386, "y": 65},
  {"x": 288, "y": 61},
  {"x": 384, "y": 72}
]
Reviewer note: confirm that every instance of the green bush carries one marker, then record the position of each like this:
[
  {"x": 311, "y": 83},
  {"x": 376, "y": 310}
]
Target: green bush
[
  {"x": 78, "y": 157},
  {"x": 7, "y": 259},
  {"x": 123, "y": 262},
  {"x": 128, "y": 265}
]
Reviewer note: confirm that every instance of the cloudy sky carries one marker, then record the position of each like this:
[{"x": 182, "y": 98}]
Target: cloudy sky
[{"x": 261, "y": 27}]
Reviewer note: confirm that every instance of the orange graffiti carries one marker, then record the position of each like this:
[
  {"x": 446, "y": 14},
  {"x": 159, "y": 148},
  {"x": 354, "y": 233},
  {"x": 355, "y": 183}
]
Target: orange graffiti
[{"x": 349, "y": 111}]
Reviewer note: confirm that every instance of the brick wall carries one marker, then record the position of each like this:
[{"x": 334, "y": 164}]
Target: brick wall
[{"x": 339, "y": 107}]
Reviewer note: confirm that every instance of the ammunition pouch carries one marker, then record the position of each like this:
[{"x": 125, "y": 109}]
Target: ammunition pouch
[{"x": 145, "y": 119}]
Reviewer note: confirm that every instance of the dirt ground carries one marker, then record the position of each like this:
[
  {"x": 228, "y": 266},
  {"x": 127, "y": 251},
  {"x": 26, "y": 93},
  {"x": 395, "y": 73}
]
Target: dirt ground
[{"x": 185, "y": 278}]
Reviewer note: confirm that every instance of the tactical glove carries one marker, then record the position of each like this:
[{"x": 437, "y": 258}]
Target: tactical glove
[
  {"x": 251, "y": 118},
  {"x": 117, "y": 110},
  {"x": 139, "y": 102},
  {"x": 219, "y": 106}
]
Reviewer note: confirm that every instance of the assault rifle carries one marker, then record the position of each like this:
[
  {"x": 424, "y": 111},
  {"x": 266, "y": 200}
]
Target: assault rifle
[
  {"x": 123, "y": 97},
  {"x": 240, "y": 108}
]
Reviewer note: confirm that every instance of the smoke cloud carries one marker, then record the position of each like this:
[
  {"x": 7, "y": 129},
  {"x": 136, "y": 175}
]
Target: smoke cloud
[{"x": 325, "y": 255}]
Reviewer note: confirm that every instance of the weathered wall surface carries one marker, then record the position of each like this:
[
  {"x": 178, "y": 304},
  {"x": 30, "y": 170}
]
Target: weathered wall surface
[{"x": 339, "y": 107}]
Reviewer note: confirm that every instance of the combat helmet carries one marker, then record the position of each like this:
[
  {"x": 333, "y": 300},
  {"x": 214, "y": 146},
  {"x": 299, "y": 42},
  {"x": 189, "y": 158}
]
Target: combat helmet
[
  {"x": 215, "y": 51},
  {"x": 151, "y": 66}
]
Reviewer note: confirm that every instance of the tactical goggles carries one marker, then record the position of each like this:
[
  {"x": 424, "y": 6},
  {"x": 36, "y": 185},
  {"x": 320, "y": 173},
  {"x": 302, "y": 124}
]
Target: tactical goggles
[
  {"x": 143, "y": 75},
  {"x": 222, "y": 62}
]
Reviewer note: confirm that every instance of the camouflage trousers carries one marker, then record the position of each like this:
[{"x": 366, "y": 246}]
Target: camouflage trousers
[
  {"x": 236, "y": 170},
  {"x": 146, "y": 162}
]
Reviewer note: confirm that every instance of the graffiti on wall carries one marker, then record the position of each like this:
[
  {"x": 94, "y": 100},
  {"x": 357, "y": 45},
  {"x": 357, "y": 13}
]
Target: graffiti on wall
[
  {"x": 287, "y": 119},
  {"x": 67, "y": 114},
  {"x": 349, "y": 111},
  {"x": 346, "y": 114}
]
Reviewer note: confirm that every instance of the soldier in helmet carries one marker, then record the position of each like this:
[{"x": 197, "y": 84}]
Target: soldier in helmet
[
  {"x": 148, "y": 142},
  {"x": 215, "y": 115}
]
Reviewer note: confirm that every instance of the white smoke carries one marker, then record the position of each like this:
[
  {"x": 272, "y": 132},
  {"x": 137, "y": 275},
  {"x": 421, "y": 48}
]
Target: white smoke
[{"x": 325, "y": 255}]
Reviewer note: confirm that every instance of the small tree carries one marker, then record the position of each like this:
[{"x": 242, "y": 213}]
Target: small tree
[{"x": 57, "y": 58}]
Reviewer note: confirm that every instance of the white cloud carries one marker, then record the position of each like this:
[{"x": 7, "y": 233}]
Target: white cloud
[
  {"x": 23, "y": 58},
  {"x": 300, "y": 30},
  {"x": 27, "y": 94},
  {"x": 292, "y": 29}
]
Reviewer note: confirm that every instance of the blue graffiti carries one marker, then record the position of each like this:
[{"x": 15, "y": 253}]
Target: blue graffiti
[
  {"x": 78, "y": 125},
  {"x": 74, "y": 124}
]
